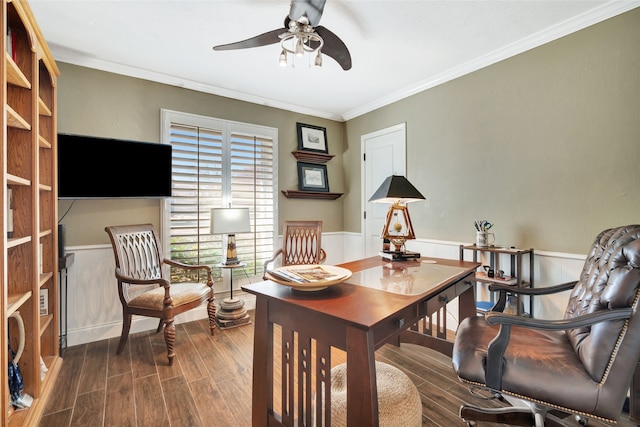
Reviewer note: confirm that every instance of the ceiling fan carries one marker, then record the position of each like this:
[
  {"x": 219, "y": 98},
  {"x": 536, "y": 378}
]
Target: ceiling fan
[{"x": 301, "y": 35}]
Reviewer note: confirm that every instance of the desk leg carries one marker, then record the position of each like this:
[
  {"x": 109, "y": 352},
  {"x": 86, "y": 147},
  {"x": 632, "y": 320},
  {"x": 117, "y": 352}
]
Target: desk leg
[
  {"x": 262, "y": 365},
  {"x": 467, "y": 304},
  {"x": 362, "y": 394}
]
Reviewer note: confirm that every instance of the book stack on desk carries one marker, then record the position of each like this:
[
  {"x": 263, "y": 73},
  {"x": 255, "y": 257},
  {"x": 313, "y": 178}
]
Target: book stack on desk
[{"x": 399, "y": 255}]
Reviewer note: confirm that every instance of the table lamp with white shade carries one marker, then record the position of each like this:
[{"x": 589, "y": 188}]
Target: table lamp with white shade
[{"x": 229, "y": 222}]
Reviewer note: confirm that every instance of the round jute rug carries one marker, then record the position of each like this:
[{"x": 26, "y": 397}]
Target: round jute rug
[{"x": 398, "y": 398}]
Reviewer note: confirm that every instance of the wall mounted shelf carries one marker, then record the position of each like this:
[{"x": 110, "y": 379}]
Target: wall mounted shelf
[
  {"x": 295, "y": 194},
  {"x": 312, "y": 157}
]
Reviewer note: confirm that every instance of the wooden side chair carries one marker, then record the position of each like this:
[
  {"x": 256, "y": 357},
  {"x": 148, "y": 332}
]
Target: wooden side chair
[
  {"x": 143, "y": 288},
  {"x": 582, "y": 364},
  {"x": 301, "y": 244}
]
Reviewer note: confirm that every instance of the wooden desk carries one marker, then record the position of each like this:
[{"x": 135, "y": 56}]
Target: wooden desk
[{"x": 357, "y": 316}]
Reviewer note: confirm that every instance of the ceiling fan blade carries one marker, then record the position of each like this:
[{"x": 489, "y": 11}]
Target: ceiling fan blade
[
  {"x": 311, "y": 8},
  {"x": 334, "y": 47},
  {"x": 264, "y": 39}
]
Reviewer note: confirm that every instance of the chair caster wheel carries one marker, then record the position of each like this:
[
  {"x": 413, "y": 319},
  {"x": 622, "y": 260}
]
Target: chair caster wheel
[
  {"x": 472, "y": 424},
  {"x": 582, "y": 421}
]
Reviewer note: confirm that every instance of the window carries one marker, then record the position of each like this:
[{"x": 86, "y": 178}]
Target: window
[{"x": 219, "y": 163}]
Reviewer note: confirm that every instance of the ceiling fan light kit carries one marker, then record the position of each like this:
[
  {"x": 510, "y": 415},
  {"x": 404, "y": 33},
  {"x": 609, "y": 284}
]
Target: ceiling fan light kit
[
  {"x": 301, "y": 40},
  {"x": 302, "y": 37}
]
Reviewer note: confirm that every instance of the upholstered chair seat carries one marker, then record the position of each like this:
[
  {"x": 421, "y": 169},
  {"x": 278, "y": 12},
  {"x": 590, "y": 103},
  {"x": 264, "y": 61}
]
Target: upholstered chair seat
[{"x": 181, "y": 293}]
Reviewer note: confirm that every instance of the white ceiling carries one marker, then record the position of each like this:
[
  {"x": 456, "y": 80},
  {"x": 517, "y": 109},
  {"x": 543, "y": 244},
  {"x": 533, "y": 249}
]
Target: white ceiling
[{"x": 398, "y": 48}]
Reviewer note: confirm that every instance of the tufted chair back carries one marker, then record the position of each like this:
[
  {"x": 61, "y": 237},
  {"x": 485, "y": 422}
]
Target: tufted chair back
[{"x": 609, "y": 280}]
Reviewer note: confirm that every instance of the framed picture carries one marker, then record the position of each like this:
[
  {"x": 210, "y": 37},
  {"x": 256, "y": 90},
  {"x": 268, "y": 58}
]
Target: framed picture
[
  {"x": 312, "y": 138},
  {"x": 312, "y": 177}
]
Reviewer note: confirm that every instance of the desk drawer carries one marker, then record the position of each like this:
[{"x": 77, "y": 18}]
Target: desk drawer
[
  {"x": 392, "y": 326},
  {"x": 438, "y": 301},
  {"x": 463, "y": 285}
]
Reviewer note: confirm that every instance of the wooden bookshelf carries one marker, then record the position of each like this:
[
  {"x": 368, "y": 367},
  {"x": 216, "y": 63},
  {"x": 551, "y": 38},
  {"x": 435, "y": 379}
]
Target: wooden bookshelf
[{"x": 30, "y": 257}]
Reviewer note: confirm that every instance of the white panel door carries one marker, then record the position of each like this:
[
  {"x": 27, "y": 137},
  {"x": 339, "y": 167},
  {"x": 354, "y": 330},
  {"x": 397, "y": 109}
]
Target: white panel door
[{"x": 384, "y": 154}]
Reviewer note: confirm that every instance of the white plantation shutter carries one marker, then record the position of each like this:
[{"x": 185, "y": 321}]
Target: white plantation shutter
[
  {"x": 218, "y": 163},
  {"x": 252, "y": 186}
]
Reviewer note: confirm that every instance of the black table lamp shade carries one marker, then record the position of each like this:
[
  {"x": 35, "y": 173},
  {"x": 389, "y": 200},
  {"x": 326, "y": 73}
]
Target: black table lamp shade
[{"x": 397, "y": 189}]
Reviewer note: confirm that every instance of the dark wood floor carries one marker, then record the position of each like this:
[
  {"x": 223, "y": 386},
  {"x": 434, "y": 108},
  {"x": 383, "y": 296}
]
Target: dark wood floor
[{"x": 210, "y": 382}]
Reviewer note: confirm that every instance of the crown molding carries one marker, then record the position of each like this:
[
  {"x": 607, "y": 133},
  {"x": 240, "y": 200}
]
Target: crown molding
[
  {"x": 594, "y": 16},
  {"x": 74, "y": 58}
]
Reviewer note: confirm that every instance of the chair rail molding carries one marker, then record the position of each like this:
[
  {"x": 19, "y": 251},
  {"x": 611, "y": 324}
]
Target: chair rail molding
[{"x": 91, "y": 283}]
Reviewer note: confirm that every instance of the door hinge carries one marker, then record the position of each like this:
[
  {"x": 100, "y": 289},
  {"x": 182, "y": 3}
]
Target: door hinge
[
  {"x": 364, "y": 157},
  {"x": 365, "y": 214}
]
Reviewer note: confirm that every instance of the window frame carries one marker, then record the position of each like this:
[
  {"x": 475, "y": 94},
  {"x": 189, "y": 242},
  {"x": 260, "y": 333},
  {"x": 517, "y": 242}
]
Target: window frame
[{"x": 228, "y": 127}]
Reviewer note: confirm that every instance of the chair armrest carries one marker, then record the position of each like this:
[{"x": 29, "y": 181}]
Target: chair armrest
[
  {"x": 191, "y": 267},
  {"x": 497, "y": 346},
  {"x": 323, "y": 256},
  {"x": 503, "y": 289},
  {"x": 496, "y": 287},
  {"x": 495, "y": 318},
  {"x": 269, "y": 261},
  {"x": 187, "y": 266}
]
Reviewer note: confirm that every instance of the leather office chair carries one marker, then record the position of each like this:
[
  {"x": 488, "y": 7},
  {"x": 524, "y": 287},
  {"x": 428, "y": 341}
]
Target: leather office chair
[
  {"x": 582, "y": 364},
  {"x": 143, "y": 288},
  {"x": 301, "y": 244}
]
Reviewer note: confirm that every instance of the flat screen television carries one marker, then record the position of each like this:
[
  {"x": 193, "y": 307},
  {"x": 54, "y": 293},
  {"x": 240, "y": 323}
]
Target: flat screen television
[{"x": 102, "y": 168}]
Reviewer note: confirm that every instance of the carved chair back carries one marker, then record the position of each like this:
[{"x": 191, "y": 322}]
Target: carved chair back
[
  {"x": 302, "y": 243},
  {"x": 137, "y": 255}
]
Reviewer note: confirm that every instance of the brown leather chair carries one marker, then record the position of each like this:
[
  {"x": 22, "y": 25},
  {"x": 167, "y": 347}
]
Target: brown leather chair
[
  {"x": 301, "y": 244},
  {"x": 143, "y": 288},
  {"x": 582, "y": 364}
]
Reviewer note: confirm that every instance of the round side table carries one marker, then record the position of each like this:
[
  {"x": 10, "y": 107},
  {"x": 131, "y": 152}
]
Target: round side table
[{"x": 231, "y": 312}]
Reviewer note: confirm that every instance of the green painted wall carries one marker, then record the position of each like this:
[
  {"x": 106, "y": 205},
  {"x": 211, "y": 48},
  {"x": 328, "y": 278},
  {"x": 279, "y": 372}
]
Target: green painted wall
[
  {"x": 545, "y": 144},
  {"x": 97, "y": 103}
]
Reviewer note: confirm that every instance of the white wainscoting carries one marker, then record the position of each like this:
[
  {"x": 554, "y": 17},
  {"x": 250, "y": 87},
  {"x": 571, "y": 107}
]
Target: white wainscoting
[{"x": 95, "y": 312}]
